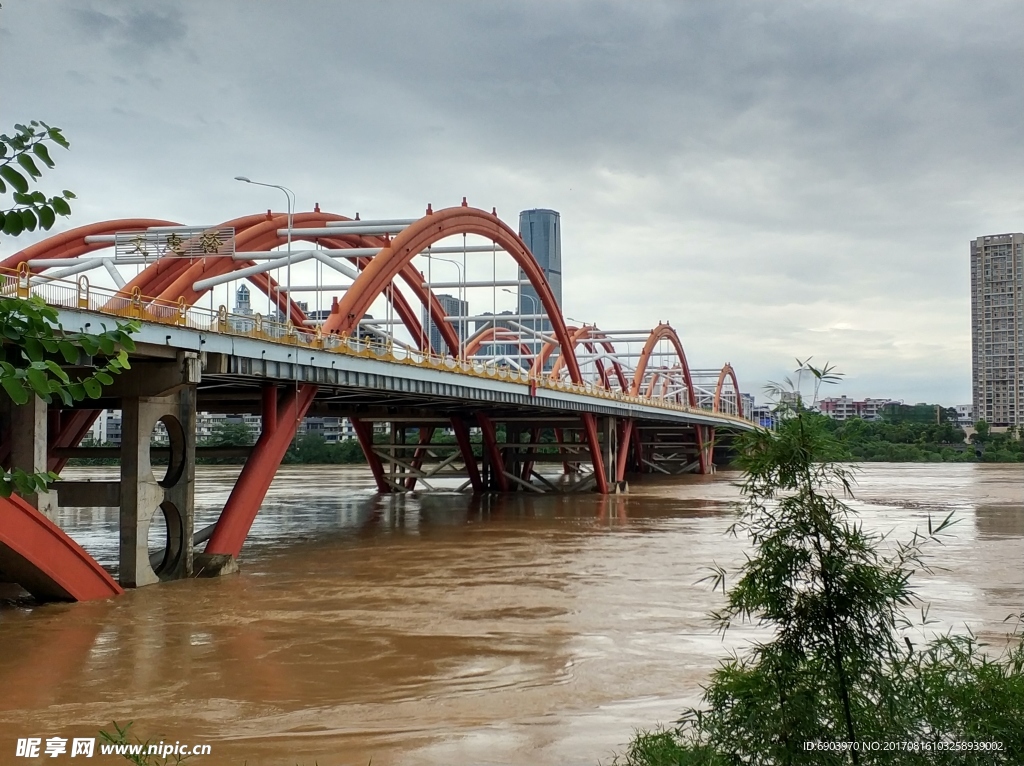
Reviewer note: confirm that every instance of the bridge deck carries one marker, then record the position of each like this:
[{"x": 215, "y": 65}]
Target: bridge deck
[{"x": 235, "y": 365}]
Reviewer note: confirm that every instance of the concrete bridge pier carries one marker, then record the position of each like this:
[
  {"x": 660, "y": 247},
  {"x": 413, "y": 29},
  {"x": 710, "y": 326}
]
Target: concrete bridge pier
[
  {"x": 27, "y": 426},
  {"x": 158, "y": 494}
]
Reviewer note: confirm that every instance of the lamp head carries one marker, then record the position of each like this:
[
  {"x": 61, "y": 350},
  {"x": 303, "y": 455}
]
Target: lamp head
[{"x": 243, "y": 178}]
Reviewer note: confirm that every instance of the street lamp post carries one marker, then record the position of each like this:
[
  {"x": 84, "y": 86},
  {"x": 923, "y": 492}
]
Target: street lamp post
[
  {"x": 462, "y": 280},
  {"x": 533, "y": 321},
  {"x": 290, "y": 196}
]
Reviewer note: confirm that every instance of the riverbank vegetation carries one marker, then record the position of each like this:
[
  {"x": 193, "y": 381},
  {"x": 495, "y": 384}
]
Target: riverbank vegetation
[
  {"x": 910, "y": 442},
  {"x": 837, "y": 679}
]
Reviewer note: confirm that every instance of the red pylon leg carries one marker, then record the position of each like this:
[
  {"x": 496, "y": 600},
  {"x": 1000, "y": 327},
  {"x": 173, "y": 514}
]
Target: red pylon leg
[
  {"x": 364, "y": 432},
  {"x": 492, "y": 452},
  {"x": 590, "y": 429},
  {"x": 625, "y": 436},
  {"x": 466, "y": 447},
  {"x": 254, "y": 481}
]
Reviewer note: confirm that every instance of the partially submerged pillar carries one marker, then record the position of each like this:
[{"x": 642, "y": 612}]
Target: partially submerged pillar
[
  {"x": 162, "y": 495},
  {"x": 28, "y": 425}
]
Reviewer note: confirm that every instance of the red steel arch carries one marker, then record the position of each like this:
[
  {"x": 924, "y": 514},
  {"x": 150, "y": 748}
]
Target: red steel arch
[
  {"x": 416, "y": 238},
  {"x": 71, "y": 243},
  {"x": 37, "y": 555},
  {"x": 495, "y": 335},
  {"x": 590, "y": 338},
  {"x": 663, "y": 332},
  {"x": 727, "y": 373}
]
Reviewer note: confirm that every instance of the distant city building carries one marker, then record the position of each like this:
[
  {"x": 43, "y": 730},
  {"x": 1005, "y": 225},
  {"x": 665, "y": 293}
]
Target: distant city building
[
  {"x": 747, "y": 402},
  {"x": 965, "y": 415},
  {"x": 107, "y": 428},
  {"x": 541, "y": 230},
  {"x": 997, "y": 328},
  {"x": 453, "y": 307},
  {"x": 762, "y": 414},
  {"x": 844, "y": 408},
  {"x": 243, "y": 301}
]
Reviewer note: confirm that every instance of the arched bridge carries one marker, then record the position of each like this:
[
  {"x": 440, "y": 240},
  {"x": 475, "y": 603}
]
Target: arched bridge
[{"x": 442, "y": 388}]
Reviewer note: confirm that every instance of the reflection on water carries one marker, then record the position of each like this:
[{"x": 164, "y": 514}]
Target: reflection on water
[{"x": 446, "y": 628}]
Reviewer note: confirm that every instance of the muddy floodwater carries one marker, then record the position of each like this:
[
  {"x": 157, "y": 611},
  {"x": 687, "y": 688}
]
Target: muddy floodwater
[{"x": 445, "y": 629}]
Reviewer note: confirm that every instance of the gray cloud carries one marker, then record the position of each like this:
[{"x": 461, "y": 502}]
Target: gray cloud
[{"x": 777, "y": 179}]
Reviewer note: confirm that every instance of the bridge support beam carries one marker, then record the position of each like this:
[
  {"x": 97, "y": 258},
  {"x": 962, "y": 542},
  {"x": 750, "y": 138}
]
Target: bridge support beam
[
  {"x": 146, "y": 498},
  {"x": 254, "y": 481},
  {"x": 468, "y": 457}
]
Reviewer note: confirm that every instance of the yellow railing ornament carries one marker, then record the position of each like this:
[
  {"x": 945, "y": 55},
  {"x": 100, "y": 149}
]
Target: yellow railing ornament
[
  {"x": 222, "y": 318},
  {"x": 136, "y": 304},
  {"x": 23, "y": 277},
  {"x": 182, "y": 318},
  {"x": 83, "y": 292}
]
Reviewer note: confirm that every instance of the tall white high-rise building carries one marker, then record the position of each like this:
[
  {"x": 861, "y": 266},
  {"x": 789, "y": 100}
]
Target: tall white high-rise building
[{"x": 997, "y": 330}]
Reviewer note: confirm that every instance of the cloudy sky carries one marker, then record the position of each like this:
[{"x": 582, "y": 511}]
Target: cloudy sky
[{"x": 776, "y": 179}]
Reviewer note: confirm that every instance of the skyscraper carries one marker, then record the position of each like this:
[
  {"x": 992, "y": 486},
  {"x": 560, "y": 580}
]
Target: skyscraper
[
  {"x": 997, "y": 330},
  {"x": 541, "y": 230},
  {"x": 453, "y": 307}
]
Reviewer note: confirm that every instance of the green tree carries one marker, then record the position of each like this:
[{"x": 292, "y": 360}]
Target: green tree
[
  {"x": 831, "y": 598},
  {"x": 20, "y": 155},
  {"x": 34, "y": 348},
  {"x": 229, "y": 434}
]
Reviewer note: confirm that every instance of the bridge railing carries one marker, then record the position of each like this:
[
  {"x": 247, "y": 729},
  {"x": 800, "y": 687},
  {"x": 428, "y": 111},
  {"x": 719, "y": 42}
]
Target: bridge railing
[{"x": 81, "y": 295}]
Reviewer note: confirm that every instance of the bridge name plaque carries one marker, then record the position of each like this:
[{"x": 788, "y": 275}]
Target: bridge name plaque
[{"x": 177, "y": 242}]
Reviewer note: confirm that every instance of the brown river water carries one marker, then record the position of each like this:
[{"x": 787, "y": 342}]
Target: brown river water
[{"x": 441, "y": 629}]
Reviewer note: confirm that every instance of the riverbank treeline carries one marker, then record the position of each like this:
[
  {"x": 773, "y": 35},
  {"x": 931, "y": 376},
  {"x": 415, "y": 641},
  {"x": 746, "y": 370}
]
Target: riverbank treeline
[
  {"x": 889, "y": 440},
  {"x": 909, "y": 442}
]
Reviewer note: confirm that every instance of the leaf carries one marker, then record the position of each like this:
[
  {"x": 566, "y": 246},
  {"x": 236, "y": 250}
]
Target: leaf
[
  {"x": 69, "y": 195},
  {"x": 57, "y": 138},
  {"x": 15, "y": 390},
  {"x": 12, "y": 223},
  {"x": 92, "y": 388},
  {"x": 106, "y": 344},
  {"x": 69, "y": 351},
  {"x": 28, "y": 219},
  {"x": 60, "y": 206},
  {"x": 38, "y": 380},
  {"x": 89, "y": 344},
  {"x": 30, "y": 166},
  {"x": 77, "y": 391},
  {"x": 103, "y": 377},
  {"x": 46, "y": 217},
  {"x": 33, "y": 349},
  {"x": 14, "y": 178},
  {"x": 42, "y": 153},
  {"x": 57, "y": 372}
]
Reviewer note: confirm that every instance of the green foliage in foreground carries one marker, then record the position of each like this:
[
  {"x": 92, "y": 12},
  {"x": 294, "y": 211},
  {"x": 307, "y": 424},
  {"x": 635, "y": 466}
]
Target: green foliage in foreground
[
  {"x": 835, "y": 666},
  {"x": 21, "y": 153},
  {"x": 34, "y": 351}
]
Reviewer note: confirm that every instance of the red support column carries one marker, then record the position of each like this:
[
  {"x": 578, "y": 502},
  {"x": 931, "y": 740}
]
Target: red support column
[
  {"x": 364, "y": 432},
  {"x": 254, "y": 481},
  {"x": 269, "y": 408},
  {"x": 706, "y": 445},
  {"x": 491, "y": 451},
  {"x": 590, "y": 429},
  {"x": 625, "y": 437},
  {"x": 466, "y": 447}
]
